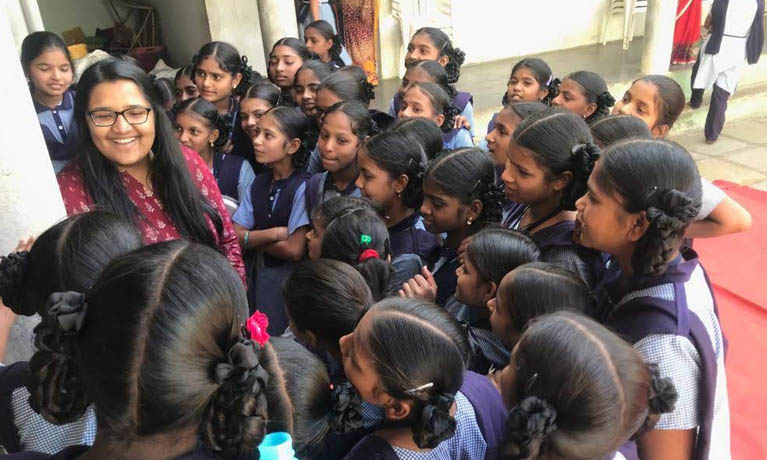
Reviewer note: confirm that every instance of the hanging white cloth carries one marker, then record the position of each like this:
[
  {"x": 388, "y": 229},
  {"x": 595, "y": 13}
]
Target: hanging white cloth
[{"x": 725, "y": 67}]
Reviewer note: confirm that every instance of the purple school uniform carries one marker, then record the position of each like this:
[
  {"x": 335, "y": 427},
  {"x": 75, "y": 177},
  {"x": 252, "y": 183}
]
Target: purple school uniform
[
  {"x": 226, "y": 170},
  {"x": 71, "y": 453},
  {"x": 444, "y": 274},
  {"x": 407, "y": 237},
  {"x": 557, "y": 246},
  {"x": 489, "y": 417},
  {"x": 320, "y": 187},
  {"x": 460, "y": 100},
  {"x": 266, "y": 294},
  {"x": 637, "y": 307},
  {"x": 59, "y": 127}
]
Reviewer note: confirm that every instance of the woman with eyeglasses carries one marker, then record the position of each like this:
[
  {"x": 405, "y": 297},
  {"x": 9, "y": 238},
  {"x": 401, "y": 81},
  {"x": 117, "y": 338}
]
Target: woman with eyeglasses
[{"x": 130, "y": 163}]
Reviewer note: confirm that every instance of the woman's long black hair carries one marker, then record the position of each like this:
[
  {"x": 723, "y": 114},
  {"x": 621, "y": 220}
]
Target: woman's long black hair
[{"x": 182, "y": 201}]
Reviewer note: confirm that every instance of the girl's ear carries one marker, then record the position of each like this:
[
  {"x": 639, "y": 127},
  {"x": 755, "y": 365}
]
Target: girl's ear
[
  {"x": 236, "y": 80},
  {"x": 443, "y": 60},
  {"x": 561, "y": 181},
  {"x": 639, "y": 226},
  {"x": 440, "y": 119},
  {"x": 397, "y": 410},
  {"x": 213, "y": 136},
  {"x": 294, "y": 145},
  {"x": 475, "y": 209},
  {"x": 590, "y": 109},
  {"x": 660, "y": 131},
  {"x": 399, "y": 184},
  {"x": 488, "y": 291}
]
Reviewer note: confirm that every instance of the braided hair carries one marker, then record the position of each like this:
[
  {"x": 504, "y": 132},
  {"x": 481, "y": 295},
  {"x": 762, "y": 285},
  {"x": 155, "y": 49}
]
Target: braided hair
[
  {"x": 442, "y": 42},
  {"x": 661, "y": 179},
  {"x": 617, "y": 396},
  {"x": 419, "y": 352},
  {"x": 230, "y": 61},
  {"x": 152, "y": 322},
  {"x": 561, "y": 142},
  {"x": 594, "y": 89},
  {"x": 206, "y": 111}
]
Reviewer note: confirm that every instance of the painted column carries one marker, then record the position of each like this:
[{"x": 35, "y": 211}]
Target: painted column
[
  {"x": 278, "y": 19},
  {"x": 30, "y": 200},
  {"x": 659, "y": 36}
]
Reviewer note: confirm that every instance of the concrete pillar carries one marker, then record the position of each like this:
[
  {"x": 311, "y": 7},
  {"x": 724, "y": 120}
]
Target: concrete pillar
[
  {"x": 238, "y": 22},
  {"x": 659, "y": 36},
  {"x": 30, "y": 201},
  {"x": 278, "y": 19}
]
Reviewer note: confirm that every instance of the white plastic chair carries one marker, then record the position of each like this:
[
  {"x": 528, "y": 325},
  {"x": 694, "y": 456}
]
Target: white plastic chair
[{"x": 630, "y": 9}]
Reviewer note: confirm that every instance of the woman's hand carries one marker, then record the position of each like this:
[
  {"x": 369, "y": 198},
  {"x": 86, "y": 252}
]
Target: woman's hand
[
  {"x": 461, "y": 122},
  {"x": 25, "y": 245}
]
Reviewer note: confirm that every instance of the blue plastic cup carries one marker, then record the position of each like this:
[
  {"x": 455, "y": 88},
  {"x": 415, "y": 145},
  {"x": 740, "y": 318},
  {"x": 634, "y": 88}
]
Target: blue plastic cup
[{"x": 277, "y": 446}]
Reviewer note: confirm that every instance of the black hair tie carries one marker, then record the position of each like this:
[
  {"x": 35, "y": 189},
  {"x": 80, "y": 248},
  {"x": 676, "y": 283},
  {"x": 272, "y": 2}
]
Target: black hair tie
[
  {"x": 242, "y": 367},
  {"x": 345, "y": 402},
  {"x": 663, "y": 395},
  {"x": 64, "y": 318},
  {"x": 532, "y": 418},
  {"x": 605, "y": 100}
]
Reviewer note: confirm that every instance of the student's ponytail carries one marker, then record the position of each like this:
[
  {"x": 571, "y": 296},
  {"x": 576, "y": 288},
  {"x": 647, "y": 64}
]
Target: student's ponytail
[
  {"x": 662, "y": 398},
  {"x": 13, "y": 273},
  {"x": 527, "y": 426},
  {"x": 236, "y": 414},
  {"x": 360, "y": 239},
  {"x": 345, "y": 409},
  {"x": 56, "y": 391},
  {"x": 585, "y": 157},
  {"x": 661, "y": 179},
  {"x": 435, "y": 423}
]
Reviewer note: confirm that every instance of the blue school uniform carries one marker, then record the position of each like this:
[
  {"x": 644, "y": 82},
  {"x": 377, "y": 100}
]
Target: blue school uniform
[
  {"x": 71, "y": 453},
  {"x": 480, "y": 420},
  {"x": 456, "y": 139},
  {"x": 272, "y": 204},
  {"x": 23, "y": 429},
  {"x": 444, "y": 274},
  {"x": 320, "y": 187},
  {"x": 59, "y": 129},
  {"x": 672, "y": 320},
  {"x": 557, "y": 247},
  {"x": 463, "y": 100}
]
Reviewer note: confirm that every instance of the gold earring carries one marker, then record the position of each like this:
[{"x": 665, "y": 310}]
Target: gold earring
[{"x": 210, "y": 143}]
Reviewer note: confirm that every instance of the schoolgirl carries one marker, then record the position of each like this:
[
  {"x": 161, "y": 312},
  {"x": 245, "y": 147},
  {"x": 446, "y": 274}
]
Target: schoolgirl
[
  {"x": 222, "y": 75},
  {"x": 287, "y": 56},
  {"x": 321, "y": 39},
  {"x": 550, "y": 159},
  {"x": 256, "y": 101},
  {"x": 433, "y": 72},
  {"x": 641, "y": 197},
  {"x": 658, "y": 101},
  {"x": 614, "y": 128},
  {"x": 585, "y": 94},
  {"x": 360, "y": 238},
  {"x": 308, "y": 78},
  {"x": 345, "y": 128},
  {"x": 183, "y": 84},
  {"x": 506, "y": 122},
  {"x": 153, "y": 312},
  {"x": 165, "y": 89},
  {"x": 272, "y": 218},
  {"x": 199, "y": 127},
  {"x": 408, "y": 356},
  {"x": 50, "y": 73},
  {"x": 531, "y": 80},
  {"x": 422, "y": 132},
  {"x": 532, "y": 290},
  {"x": 617, "y": 395},
  {"x": 343, "y": 85},
  {"x": 328, "y": 211},
  {"x": 67, "y": 257},
  {"x": 460, "y": 199},
  {"x": 429, "y": 100},
  {"x": 491, "y": 254},
  {"x": 432, "y": 44},
  {"x": 391, "y": 174}
]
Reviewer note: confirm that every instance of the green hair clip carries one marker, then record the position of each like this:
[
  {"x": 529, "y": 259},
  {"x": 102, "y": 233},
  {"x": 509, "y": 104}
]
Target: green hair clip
[{"x": 365, "y": 239}]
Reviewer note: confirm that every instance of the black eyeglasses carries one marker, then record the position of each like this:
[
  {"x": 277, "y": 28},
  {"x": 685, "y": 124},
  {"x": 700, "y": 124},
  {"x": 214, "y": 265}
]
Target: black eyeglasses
[{"x": 134, "y": 116}]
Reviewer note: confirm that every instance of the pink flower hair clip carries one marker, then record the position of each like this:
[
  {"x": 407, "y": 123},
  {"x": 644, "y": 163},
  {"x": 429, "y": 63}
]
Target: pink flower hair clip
[{"x": 256, "y": 326}]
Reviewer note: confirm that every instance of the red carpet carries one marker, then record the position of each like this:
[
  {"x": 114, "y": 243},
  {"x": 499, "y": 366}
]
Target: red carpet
[{"x": 734, "y": 265}]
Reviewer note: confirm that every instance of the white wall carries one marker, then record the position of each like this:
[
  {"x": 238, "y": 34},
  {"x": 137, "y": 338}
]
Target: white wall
[
  {"x": 236, "y": 22},
  {"x": 183, "y": 28},
  {"x": 61, "y": 15}
]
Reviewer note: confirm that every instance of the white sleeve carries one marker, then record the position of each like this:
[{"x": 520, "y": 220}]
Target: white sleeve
[
  {"x": 678, "y": 360},
  {"x": 711, "y": 196}
]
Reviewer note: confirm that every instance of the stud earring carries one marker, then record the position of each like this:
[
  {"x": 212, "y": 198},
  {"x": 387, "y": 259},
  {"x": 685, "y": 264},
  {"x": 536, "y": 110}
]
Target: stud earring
[
  {"x": 210, "y": 143},
  {"x": 468, "y": 222}
]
